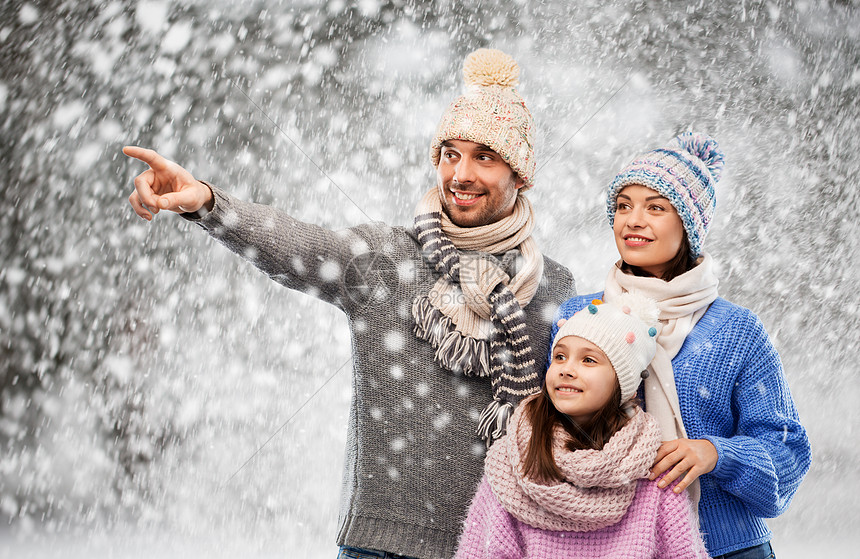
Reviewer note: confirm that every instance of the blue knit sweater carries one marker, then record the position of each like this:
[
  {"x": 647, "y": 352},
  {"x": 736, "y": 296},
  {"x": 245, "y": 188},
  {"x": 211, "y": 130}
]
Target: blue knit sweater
[{"x": 733, "y": 393}]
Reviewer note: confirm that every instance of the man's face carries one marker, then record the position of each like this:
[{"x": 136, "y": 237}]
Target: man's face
[{"x": 476, "y": 185}]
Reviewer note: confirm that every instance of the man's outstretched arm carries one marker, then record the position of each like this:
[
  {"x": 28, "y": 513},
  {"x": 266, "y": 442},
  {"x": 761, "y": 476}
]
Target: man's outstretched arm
[{"x": 296, "y": 254}]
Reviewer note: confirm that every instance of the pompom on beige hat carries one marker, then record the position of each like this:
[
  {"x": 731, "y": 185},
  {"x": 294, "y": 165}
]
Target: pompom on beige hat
[{"x": 492, "y": 113}]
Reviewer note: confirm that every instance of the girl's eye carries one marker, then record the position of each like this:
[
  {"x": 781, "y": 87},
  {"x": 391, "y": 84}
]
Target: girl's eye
[
  {"x": 588, "y": 360},
  {"x": 559, "y": 357}
]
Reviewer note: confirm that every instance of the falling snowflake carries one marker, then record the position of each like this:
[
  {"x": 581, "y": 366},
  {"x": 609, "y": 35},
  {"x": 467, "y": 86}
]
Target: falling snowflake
[
  {"x": 393, "y": 340},
  {"x": 397, "y": 444},
  {"x": 441, "y": 421},
  {"x": 422, "y": 389},
  {"x": 329, "y": 271}
]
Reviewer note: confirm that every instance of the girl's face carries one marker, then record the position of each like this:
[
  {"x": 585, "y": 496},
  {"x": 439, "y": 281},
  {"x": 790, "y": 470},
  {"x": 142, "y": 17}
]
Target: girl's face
[
  {"x": 580, "y": 379},
  {"x": 648, "y": 230}
]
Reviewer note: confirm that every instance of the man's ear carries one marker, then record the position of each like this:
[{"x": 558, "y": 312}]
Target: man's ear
[{"x": 520, "y": 182}]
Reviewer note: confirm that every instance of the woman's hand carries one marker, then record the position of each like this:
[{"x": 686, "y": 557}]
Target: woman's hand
[{"x": 695, "y": 457}]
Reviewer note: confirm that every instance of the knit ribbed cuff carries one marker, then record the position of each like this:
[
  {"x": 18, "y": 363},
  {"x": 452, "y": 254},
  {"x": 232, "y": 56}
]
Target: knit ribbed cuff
[
  {"x": 730, "y": 458},
  {"x": 221, "y": 211}
]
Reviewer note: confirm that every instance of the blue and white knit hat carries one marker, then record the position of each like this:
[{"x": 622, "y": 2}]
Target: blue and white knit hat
[{"x": 685, "y": 172}]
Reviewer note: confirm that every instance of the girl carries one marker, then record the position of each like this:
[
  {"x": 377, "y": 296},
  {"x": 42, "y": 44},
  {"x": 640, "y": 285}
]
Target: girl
[
  {"x": 717, "y": 389},
  {"x": 570, "y": 477}
]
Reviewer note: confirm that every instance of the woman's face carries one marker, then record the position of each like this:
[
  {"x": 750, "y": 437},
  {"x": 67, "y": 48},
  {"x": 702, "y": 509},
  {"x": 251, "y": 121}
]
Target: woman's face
[{"x": 648, "y": 231}]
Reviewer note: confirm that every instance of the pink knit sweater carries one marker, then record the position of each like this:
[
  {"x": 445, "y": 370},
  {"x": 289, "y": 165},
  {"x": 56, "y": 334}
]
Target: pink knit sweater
[
  {"x": 657, "y": 524},
  {"x": 653, "y": 522}
]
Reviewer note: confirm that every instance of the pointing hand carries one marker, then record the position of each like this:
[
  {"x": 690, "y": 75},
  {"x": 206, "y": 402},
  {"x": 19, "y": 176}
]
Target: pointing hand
[{"x": 165, "y": 186}]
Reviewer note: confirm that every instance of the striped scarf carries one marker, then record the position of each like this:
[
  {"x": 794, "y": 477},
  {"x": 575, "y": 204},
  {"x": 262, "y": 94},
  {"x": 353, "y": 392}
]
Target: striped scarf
[{"x": 473, "y": 316}]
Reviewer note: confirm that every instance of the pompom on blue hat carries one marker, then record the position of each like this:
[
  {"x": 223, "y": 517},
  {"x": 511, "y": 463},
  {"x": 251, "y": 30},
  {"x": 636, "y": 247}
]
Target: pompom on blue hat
[{"x": 685, "y": 172}]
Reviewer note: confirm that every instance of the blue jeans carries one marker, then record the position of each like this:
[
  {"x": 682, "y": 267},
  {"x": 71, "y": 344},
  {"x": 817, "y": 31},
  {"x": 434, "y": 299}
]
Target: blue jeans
[
  {"x": 356, "y": 553},
  {"x": 763, "y": 551}
]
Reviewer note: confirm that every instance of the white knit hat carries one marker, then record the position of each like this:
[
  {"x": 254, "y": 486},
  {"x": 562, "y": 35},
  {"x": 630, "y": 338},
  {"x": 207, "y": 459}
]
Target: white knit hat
[{"x": 626, "y": 331}]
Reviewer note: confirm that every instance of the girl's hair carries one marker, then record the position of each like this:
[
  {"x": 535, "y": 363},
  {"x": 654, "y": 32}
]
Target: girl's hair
[
  {"x": 682, "y": 263},
  {"x": 543, "y": 416}
]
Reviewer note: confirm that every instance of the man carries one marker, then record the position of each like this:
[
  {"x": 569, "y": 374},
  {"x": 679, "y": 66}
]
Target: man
[{"x": 443, "y": 347}]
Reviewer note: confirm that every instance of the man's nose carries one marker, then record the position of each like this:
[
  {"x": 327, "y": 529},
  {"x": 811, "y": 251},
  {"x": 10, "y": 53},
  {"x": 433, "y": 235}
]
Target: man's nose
[{"x": 465, "y": 171}]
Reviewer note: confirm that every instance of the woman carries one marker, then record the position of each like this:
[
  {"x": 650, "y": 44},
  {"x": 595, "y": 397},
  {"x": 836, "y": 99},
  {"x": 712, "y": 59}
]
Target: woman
[{"x": 730, "y": 428}]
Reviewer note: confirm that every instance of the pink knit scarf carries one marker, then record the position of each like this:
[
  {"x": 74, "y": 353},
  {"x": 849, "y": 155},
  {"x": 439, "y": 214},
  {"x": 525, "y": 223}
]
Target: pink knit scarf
[{"x": 599, "y": 484}]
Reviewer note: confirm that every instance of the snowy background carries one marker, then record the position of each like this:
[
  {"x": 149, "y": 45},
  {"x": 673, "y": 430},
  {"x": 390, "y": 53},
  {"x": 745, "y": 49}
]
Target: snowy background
[{"x": 159, "y": 397}]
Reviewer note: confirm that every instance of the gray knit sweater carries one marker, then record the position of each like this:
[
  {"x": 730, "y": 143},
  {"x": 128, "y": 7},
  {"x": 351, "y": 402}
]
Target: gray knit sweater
[{"x": 413, "y": 459}]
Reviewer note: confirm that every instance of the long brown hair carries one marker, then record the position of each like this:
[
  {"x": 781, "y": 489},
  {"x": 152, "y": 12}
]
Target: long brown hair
[
  {"x": 543, "y": 416},
  {"x": 682, "y": 263}
]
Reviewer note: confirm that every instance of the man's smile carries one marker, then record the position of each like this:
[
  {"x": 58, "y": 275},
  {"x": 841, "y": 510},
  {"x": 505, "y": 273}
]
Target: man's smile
[{"x": 462, "y": 198}]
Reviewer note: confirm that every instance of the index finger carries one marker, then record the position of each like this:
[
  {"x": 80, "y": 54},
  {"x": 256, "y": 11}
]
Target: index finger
[
  {"x": 665, "y": 449},
  {"x": 148, "y": 156},
  {"x": 664, "y": 460}
]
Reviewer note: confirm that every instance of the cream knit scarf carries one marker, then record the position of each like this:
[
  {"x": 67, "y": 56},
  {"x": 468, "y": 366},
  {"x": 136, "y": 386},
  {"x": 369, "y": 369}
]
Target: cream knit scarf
[
  {"x": 473, "y": 315},
  {"x": 599, "y": 484},
  {"x": 682, "y": 302}
]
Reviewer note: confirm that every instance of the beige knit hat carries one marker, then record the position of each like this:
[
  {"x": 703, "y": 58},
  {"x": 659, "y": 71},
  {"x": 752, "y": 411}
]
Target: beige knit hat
[
  {"x": 626, "y": 331},
  {"x": 491, "y": 112}
]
